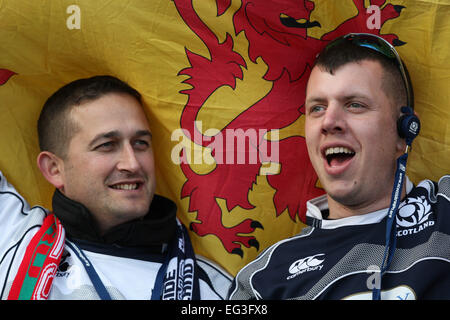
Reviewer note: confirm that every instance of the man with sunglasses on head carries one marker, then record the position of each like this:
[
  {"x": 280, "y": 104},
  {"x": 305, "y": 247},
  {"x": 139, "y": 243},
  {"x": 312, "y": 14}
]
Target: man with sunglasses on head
[
  {"x": 109, "y": 237},
  {"x": 373, "y": 235}
]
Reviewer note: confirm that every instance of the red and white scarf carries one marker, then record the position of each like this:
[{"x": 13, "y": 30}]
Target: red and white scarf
[{"x": 40, "y": 263}]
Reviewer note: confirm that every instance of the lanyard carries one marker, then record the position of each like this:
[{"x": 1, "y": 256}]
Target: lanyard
[
  {"x": 179, "y": 276},
  {"x": 93, "y": 275},
  {"x": 391, "y": 225},
  {"x": 100, "y": 287}
]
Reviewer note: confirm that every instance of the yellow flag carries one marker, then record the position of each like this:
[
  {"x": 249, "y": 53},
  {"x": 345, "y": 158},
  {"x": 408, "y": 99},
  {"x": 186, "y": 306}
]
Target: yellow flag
[{"x": 223, "y": 82}]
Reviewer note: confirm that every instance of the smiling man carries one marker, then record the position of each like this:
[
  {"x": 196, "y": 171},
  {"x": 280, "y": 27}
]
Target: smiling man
[
  {"x": 112, "y": 156},
  {"x": 109, "y": 236},
  {"x": 360, "y": 242}
]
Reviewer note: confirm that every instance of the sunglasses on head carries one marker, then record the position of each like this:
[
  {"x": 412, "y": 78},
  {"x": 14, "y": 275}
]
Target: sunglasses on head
[{"x": 381, "y": 46}]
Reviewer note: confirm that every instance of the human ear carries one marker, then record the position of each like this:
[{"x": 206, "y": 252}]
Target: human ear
[
  {"x": 400, "y": 146},
  {"x": 51, "y": 167}
]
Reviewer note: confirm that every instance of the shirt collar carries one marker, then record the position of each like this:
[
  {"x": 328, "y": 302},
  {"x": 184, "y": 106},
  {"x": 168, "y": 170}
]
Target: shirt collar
[{"x": 314, "y": 208}]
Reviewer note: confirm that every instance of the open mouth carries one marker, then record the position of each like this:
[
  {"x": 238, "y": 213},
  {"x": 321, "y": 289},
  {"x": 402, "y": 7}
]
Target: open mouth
[
  {"x": 290, "y": 22},
  {"x": 338, "y": 156},
  {"x": 126, "y": 186}
]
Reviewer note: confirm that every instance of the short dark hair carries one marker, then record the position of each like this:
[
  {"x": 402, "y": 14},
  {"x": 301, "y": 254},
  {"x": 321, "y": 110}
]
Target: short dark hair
[
  {"x": 55, "y": 126},
  {"x": 346, "y": 52}
]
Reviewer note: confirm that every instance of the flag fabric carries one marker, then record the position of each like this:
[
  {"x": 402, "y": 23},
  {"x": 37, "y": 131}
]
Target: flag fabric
[{"x": 223, "y": 83}]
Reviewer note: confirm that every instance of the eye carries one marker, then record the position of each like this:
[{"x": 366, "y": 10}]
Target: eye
[
  {"x": 316, "y": 109},
  {"x": 106, "y": 146},
  {"x": 356, "y": 107},
  {"x": 141, "y": 144}
]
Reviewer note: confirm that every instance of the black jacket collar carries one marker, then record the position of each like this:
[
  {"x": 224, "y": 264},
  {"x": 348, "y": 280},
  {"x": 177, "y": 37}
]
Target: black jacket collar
[{"x": 156, "y": 229}]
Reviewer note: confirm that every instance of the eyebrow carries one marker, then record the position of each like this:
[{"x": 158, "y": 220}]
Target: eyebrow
[
  {"x": 315, "y": 100},
  {"x": 319, "y": 99},
  {"x": 356, "y": 96},
  {"x": 116, "y": 134}
]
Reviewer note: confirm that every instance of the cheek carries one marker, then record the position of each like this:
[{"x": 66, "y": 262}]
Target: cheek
[
  {"x": 311, "y": 136},
  {"x": 147, "y": 163},
  {"x": 381, "y": 141},
  {"x": 85, "y": 169},
  {"x": 310, "y": 146}
]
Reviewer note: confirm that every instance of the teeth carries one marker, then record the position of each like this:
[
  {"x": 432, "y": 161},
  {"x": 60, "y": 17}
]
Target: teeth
[
  {"x": 337, "y": 150},
  {"x": 125, "y": 186}
]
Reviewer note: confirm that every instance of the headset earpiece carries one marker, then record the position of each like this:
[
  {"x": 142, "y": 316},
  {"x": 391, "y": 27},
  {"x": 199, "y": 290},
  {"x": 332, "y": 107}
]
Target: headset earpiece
[{"x": 408, "y": 125}]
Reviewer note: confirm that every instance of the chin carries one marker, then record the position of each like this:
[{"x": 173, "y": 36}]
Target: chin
[
  {"x": 138, "y": 213},
  {"x": 345, "y": 196},
  {"x": 132, "y": 212}
]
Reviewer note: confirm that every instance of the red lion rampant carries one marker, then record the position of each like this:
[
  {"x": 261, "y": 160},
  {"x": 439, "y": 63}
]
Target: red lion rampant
[{"x": 276, "y": 31}]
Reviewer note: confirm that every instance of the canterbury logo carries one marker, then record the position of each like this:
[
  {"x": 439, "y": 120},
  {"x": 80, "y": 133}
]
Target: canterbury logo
[
  {"x": 413, "y": 216},
  {"x": 307, "y": 264}
]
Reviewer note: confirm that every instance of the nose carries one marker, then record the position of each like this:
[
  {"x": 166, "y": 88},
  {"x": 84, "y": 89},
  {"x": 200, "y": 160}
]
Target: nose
[
  {"x": 128, "y": 160},
  {"x": 333, "y": 120}
]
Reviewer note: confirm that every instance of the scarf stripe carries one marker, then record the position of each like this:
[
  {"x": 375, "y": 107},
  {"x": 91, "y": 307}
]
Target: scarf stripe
[
  {"x": 40, "y": 263},
  {"x": 181, "y": 280}
]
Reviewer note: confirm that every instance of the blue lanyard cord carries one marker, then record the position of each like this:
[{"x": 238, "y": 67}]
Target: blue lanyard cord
[
  {"x": 100, "y": 287},
  {"x": 391, "y": 225},
  {"x": 93, "y": 275},
  {"x": 180, "y": 249}
]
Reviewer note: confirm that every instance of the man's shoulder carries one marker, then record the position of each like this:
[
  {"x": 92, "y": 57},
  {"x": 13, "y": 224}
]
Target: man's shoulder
[
  {"x": 268, "y": 263},
  {"x": 429, "y": 199},
  {"x": 281, "y": 249},
  {"x": 284, "y": 248},
  {"x": 13, "y": 204},
  {"x": 433, "y": 190}
]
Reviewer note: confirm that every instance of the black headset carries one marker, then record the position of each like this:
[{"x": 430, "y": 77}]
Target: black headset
[{"x": 408, "y": 125}]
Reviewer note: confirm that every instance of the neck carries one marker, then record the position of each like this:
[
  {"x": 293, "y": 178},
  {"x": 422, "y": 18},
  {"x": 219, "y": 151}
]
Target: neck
[
  {"x": 104, "y": 225},
  {"x": 340, "y": 210},
  {"x": 157, "y": 227}
]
